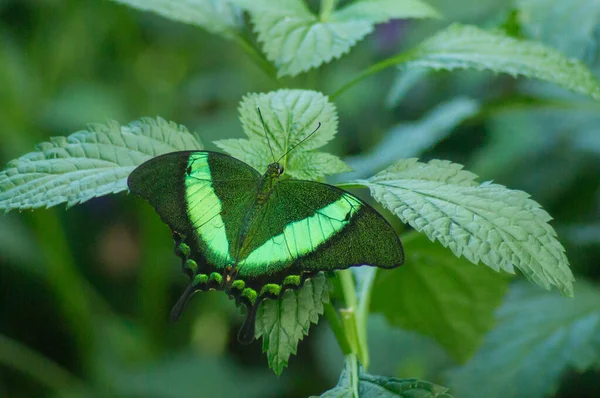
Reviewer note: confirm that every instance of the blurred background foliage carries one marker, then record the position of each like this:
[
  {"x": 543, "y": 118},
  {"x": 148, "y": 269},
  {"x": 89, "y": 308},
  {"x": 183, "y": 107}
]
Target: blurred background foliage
[{"x": 86, "y": 292}]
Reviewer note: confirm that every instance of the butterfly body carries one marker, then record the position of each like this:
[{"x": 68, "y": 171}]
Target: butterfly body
[{"x": 256, "y": 236}]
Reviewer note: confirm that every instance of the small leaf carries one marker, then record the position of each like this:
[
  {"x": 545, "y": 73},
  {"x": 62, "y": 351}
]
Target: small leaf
[
  {"x": 88, "y": 163},
  {"x": 290, "y": 116},
  {"x": 216, "y": 16},
  {"x": 539, "y": 336},
  {"x": 283, "y": 323},
  {"x": 440, "y": 295},
  {"x": 383, "y": 387},
  {"x": 314, "y": 165},
  {"x": 487, "y": 222},
  {"x": 468, "y": 47},
  {"x": 567, "y": 26},
  {"x": 412, "y": 138},
  {"x": 296, "y": 40}
]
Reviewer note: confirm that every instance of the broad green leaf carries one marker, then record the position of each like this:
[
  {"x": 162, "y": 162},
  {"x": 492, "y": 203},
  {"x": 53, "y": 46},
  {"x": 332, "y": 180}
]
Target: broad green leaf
[
  {"x": 383, "y": 387},
  {"x": 440, "y": 295},
  {"x": 412, "y": 138},
  {"x": 216, "y": 16},
  {"x": 539, "y": 336},
  {"x": 283, "y": 323},
  {"x": 290, "y": 116},
  {"x": 88, "y": 163},
  {"x": 296, "y": 40},
  {"x": 568, "y": 26},
  {"x": 485, "y": 222},
  {"x": 469, "y": 47}
]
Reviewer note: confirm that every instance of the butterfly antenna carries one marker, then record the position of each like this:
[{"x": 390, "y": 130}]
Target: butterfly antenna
[
  {"x": 305, "y": 138},
  {"x": 266, "y": 132}
]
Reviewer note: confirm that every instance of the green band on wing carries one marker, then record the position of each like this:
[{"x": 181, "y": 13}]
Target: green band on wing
[
  {"x": 300, "y": 238},
  {"x": 204, "y": 209}
]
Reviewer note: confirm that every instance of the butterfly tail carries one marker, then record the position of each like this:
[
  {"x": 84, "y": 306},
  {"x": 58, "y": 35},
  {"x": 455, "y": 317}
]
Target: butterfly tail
[
  {"x": 185, "y": 297},
  {"x": 246, "y": 333}
]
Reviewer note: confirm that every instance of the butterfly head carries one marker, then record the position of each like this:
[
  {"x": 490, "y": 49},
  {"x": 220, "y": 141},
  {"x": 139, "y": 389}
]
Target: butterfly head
[{"x": 274, "y": 170}]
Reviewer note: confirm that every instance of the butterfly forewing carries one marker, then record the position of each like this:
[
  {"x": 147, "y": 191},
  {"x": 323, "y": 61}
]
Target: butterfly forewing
[
  {"x": 310, "y": 227},
  {"x": 203, "y": 197}
]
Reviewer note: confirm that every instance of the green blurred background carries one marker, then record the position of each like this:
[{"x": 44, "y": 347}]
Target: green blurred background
[{"x": 86, "y": 292}]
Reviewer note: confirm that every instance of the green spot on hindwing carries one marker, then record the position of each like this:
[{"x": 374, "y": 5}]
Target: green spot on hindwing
[
  {"x": 292, "y": 280},
  {"x": 216, "y": 277},
  {"x": 200, "y": 279},
  {"x": 191, "y": 265},
  {"x": 250, "y": 294},
  {"x": 270, "y": 289},
  {"x": 183, "y": 250},
  {"x": 238, "y": 285}
]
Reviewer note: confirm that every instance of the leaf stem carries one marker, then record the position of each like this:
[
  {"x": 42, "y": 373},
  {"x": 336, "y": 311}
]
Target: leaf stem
[
  {"x": 258, "y": 57},
  {"x": 338, "y": 329},
  {"x": 327, "y": 7},
  {"x": 16, "y": 355},
  {"x": 395, "y": 60}
]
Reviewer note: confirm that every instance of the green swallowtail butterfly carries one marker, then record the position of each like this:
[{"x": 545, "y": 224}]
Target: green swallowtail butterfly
[{"x": 255, "y": 236}]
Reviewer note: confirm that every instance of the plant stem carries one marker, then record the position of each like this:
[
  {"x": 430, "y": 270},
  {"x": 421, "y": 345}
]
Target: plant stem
[
  {"x": 349, "y": 322},
  {"x": 338, "y": 329},
  {"x": 25, "y": 360},
  {"x": 258, "y": 57},
  {"x": 327, "y": 7},
  {"x": 396, "y": 60},
  {"x": 365, "y": 277},
  {"x": 347, "y": 281}
]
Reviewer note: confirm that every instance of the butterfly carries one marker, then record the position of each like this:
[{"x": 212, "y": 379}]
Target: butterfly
[{"x": 256, "y": 235}]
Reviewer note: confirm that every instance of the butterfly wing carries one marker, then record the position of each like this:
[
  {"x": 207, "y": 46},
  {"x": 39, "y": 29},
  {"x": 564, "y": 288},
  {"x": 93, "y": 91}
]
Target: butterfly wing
[
  {"x": 307, "y": 227},
  {"x": 203, "y": 197}
]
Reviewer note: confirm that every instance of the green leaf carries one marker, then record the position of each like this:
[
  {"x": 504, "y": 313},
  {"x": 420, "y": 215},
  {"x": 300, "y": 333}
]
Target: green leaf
[
  {"x": 88, "y": 163},
  {"x": 383, "y": 387},
  {"x": 567, "y": 26},
  {"x": 488, "y": 222},
  {"x": 468, "y": 47},
  {"x": 283, "y": 323},
  {"x": 290, "y": 116},
  {"x": 456, "y": 299},
  {"x": 412, "y": 138},
  {"x": 216, "y": 16},
  {"x": 539, "y": 336},
  {"x": 296, "y": 40}
]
